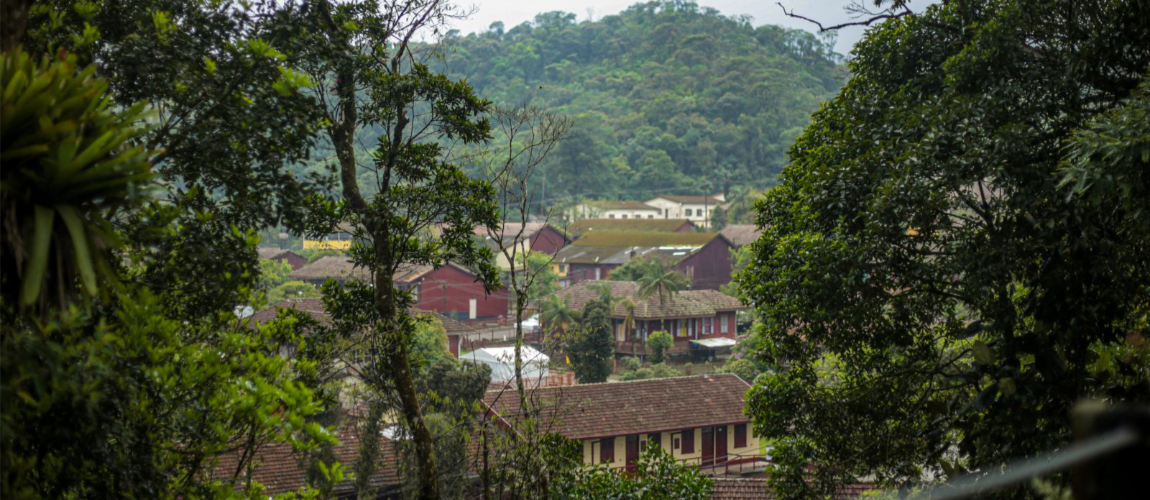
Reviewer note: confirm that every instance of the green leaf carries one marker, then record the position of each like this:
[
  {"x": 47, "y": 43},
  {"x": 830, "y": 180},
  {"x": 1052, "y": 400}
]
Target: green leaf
[
  {"x": 38, "y": 257},
  {"x": 982, "y": 353},
  {"x": 80, "y": 247}
]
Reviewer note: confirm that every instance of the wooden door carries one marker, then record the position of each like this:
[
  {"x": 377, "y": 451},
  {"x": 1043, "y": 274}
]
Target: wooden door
[
  {"x": 721, "y": 445},
  {"x": 708, "y": 446},
  {"x": 632, "y": 451}
]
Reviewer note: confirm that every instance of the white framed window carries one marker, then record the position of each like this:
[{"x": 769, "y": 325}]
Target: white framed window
[{"x": 723, "y": 323}]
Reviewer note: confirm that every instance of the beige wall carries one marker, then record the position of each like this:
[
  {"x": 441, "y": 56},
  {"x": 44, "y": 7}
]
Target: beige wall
[{"x": 752, "y": 448}]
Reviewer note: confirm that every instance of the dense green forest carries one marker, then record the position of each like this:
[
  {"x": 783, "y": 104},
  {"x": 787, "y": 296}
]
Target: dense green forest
[{"x": 665, "y": 96}]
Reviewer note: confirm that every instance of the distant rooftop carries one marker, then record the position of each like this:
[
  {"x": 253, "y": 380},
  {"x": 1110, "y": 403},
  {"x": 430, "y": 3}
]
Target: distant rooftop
[
  {"x": 741, "y": 235},
  {"x": 621, "y": 205},
  {"x": 684, "y": 304},
  {"x": 689, "y": 200},
  {"x": 581, "y": 227}
]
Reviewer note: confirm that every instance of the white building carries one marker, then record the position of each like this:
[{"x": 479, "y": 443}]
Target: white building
[
  {"x": 696, "y": 209},
  {"x": 614, "y": 210},
  {"x": 502, "y": 362}
]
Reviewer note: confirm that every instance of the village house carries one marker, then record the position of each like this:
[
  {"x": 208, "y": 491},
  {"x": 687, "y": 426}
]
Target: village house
[
  {"x": 697, "y": 209},
  {"x": 274, "y": 254},
  {"x": 450, "y": 290},
  {"x": 701, "y": 322},
  {"x": 697, "y": 420},
  {"x": 579, "y": 228},
  {"x": 705, "y": 258},
  {"x": 600, "y": 209}
]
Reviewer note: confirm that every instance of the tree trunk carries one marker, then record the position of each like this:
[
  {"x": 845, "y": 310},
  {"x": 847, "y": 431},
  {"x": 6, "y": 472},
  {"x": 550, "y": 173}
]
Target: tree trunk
[{"x": 13, "y": 22}]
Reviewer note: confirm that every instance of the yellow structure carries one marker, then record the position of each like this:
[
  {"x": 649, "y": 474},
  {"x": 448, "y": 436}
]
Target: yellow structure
[{"x": 326, "y": 244}]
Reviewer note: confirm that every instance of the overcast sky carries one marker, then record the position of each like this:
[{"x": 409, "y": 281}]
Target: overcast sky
[{"x": 828, "y": 12}]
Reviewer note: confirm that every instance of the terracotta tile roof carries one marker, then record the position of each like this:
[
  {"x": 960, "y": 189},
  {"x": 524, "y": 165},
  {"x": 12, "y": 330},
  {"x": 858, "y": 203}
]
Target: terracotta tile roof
[
  {"x": 314, "y": 308},
  {"x": 580, "y": 227},
  {"x": 341, "y": 269},
  {"x": 622, "y": 205},
  {"x": 685, "y": 304},
  {"x": 741, "y": 488},
  {"x": 756, "y": 488},
  {"x": 278, "y": 467},
  {"x": 690, "y": 200},
  {"x": 637, "y": 407},
  {"x": 741, "y": 234}
]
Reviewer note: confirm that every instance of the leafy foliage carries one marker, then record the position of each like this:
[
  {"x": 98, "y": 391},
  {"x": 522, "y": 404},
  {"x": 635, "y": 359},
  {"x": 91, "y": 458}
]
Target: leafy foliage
[
  {"x": 657, "y": 476},
  {"x": 591, "y": 347},
  {"x": 664, "y": 95},
  {"x": 938, "y": 299},
  {"x": 657, "y": 370},
  {"x": 659, "y": 343},
  {"x": 70, "y": 163}
]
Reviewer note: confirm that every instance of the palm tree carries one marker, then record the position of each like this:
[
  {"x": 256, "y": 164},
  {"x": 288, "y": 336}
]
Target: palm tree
[
  {"x": 629, "y": 320},
  {"x": 661, "y": 281},
  {"x": 557, "y": 315}
]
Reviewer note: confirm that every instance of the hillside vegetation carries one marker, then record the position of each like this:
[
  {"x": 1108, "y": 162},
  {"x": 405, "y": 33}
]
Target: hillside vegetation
[{"x": 667, "y": 97}]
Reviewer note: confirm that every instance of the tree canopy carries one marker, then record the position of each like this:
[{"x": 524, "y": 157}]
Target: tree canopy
[
  {"x": 664, "y": 95},
  {"x": 935, "y": 296}
]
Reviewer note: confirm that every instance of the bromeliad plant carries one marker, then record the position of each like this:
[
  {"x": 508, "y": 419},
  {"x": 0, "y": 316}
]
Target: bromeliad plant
[{"x": 70, "y": 162}]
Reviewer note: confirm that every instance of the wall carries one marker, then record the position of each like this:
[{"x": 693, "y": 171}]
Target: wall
[
  {"x": 710, "y": 267},
  {"x": 454, "y": 300},
  {"x": 548, "y": 240},
  {"x": 752, "y": 449},
  {"x": 586, "y": 272}
]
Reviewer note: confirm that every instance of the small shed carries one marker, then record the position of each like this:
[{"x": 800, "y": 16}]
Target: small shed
[{"x": 502, "y": 362}]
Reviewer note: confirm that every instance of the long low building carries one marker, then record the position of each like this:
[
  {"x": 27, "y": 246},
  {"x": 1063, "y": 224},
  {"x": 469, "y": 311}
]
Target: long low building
[
  {"x": 697, "y": 420},
  {"x": 704, "y": 258}
]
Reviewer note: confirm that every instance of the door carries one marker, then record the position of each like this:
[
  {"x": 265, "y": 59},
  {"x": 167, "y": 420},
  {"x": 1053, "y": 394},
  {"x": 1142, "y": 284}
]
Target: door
[
  {"x": 632, "y": 451},
  {"x": 721, "y": 445},
  {"x": 708, "y": 446}
]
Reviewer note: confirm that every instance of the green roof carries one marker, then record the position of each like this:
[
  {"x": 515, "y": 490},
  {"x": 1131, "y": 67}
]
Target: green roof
[
  {"x": 641, "y": 239},
  {"x": 640, "y": 225}
]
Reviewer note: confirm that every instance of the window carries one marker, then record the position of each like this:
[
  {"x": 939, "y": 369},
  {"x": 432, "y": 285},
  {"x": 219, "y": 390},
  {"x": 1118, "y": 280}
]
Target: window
[
  {"x": 606, "y": 450},
  {"x": 688, "y": 212},
  {"x": 650, "y": 216},
  {"x": 654, "y": 440},
  {"x": 708, "y": 324},
  {"x": 624, "y": 216},
  {"x": 740, "y": 435},
  {"x": 723, "y": 327},
  {"x": 611, "y": 216},
  {"x": 689, "y": 441}
]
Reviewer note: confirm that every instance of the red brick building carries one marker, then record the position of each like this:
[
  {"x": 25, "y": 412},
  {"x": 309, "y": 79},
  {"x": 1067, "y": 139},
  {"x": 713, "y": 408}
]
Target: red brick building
[
  {"x": 705, "y": 258},
  {"x": 694, "y": 318}
]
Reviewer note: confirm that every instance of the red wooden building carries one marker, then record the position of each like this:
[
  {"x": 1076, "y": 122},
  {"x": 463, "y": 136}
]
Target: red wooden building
[
  {"x": 296, "y": 261},
  {"x": 705, "y": 258},
  {"x": 450, "y": 290}
]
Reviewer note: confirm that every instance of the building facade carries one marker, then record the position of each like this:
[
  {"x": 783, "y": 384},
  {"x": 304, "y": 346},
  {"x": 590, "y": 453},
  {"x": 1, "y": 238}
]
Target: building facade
[{"x": 697, "y": 209}]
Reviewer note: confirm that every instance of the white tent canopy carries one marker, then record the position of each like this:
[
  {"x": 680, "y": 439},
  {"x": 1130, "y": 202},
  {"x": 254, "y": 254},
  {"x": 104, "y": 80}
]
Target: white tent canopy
[{"x": 502, "y": 362}]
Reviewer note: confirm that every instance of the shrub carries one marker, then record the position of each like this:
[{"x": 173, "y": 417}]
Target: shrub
[{"x": 659, "y": 343}]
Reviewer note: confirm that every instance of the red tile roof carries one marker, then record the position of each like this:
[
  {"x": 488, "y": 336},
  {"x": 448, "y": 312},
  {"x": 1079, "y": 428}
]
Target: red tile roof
[
  {"x": 342, "y": 269},
  {"x": 278, "y": 467},
  {"x": 685, "y": 304},
  {"x": 642, "y": 406},
  {"x": 314, "y": 308},
  {"x": 756, "y": 488}
]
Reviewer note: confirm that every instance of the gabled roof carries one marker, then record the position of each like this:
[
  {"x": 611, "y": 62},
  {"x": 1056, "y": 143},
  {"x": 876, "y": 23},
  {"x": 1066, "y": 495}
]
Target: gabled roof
[
  {"x": 684, "y": 304},
  {"x": 741, "y": 235},
  {"x": 619, "y": 247},
  {"x": 624, "y": 408},
  {"x": 689, "y": 200},
  {"x": 342, "y": 269},
  {"x": 315, "y": 308},
  {"x": 270, "y": 253},
  {"x": 621, "y": 205},
  {"x": 581, "y": 227}
]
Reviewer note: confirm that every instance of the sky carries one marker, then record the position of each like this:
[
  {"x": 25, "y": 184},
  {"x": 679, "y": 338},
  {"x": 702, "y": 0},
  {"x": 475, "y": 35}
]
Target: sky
[{"x": 828, "y": 12}]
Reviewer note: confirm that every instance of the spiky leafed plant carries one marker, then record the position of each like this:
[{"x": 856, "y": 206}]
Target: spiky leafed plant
[
  {"x": 70, "y": 163},
  {"x": 661, "y": 281}
]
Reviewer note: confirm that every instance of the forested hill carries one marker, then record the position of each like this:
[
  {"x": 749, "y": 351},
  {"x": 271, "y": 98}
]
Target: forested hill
[{"x": 664, "y": 95}]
